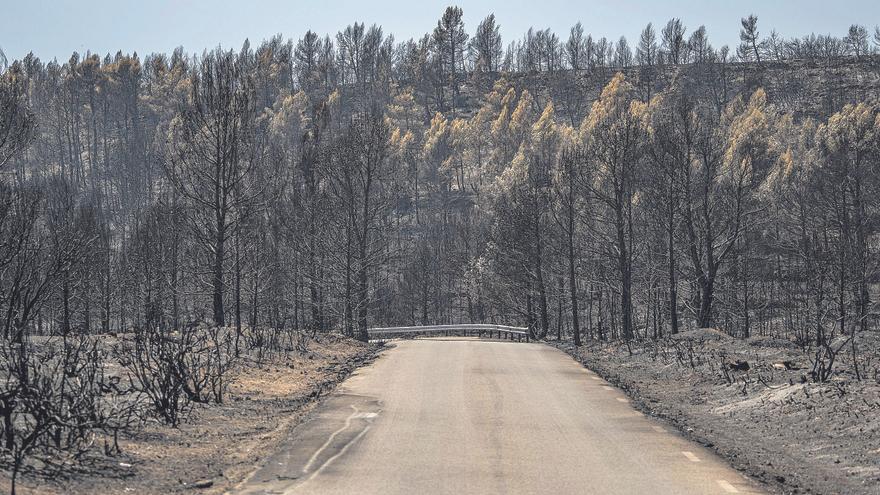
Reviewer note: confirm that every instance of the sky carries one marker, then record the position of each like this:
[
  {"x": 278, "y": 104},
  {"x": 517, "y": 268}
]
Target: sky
[{"x": 55, "y": 29}]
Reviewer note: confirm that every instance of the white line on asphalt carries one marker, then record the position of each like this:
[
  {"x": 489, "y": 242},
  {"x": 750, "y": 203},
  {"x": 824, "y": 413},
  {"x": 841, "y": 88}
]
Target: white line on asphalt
[
  {"x": 330, "y": 440},
  {"x": 606, "y": 387},
  {"x": 659, "y": 429},
  {"x": 727, "y": 486},
  {"x": 691, "y": 456},
  {"x": 338, "y": 454}
]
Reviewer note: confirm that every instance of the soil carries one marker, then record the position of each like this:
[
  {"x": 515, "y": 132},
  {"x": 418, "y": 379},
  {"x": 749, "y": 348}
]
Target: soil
[
  {"x": 219, "y": 444},
  {"x": 772, "y": 421}
]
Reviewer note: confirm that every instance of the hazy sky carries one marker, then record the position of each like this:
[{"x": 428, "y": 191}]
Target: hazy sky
[{"x": 54, "y": 29}]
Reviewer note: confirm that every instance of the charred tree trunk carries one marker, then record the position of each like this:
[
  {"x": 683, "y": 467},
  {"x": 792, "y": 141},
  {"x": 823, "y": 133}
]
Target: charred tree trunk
[
  {"x": 673, "y": 285},
  {"x": 539, "y": 271},
  {"x": 218, "y": 283}
]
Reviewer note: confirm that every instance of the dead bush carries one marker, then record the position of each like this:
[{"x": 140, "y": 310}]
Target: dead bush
[
  {"x": 53, "y": 401},
  {"x": 824, "y": 358},
  {"x": 206, "y": 365},
  {"x": 175, "y": 369},
  {"x": 268, "y": 342}
]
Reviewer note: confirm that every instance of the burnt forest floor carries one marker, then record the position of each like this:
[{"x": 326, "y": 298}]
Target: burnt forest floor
[{"x": 219, "y": 444}]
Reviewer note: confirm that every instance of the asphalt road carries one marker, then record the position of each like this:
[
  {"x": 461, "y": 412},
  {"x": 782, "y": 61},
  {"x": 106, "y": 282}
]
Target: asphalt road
[{"x": 467, "y": 416}]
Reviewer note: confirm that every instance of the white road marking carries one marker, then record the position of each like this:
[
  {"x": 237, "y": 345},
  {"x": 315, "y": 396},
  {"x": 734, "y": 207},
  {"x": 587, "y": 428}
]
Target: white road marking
[
  {"x": 658, "y": 429},
  {"x": 727, "y": 486},
  {"x": 621, "y": 399},
  {"x": 337, "y": 455},
  {"x": 330, "y": 440},
  {"x": 341, "y": 452},
  {"x": 691, "y": 457},
  {"x": 606, "y": 387}
]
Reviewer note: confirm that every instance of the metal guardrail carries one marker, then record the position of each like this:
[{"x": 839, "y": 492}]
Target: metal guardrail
[{"x": 518, "y": 334}]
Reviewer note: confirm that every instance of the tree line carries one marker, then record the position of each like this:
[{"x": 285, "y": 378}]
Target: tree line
[{"x": 337, "y": 183}]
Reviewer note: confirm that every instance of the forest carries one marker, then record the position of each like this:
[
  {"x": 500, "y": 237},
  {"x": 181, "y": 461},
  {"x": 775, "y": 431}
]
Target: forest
[{"x": 589, "y": 189}]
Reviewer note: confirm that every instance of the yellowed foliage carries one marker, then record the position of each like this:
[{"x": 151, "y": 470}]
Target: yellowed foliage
[
  {"x": 436, "y": 133},
  {"x": 460, "y": 133},
  {"x": 568, "y": 136},
  {"x": 501, "y": 124},
  {"x": 290, "y": 115},
  {"x": 509, "y": 97},
  {"x": 403, "y": 109},
  {"x": 522, "y": 117},
  {"x": 854, "y": 128},
  {"x": 516, "y": 173},
  {"x": 546, "y": 123},
  {"x": 749, "y": 135},
  {"x": 334, "y": 98},
  {"x": 616, "y": 97}
]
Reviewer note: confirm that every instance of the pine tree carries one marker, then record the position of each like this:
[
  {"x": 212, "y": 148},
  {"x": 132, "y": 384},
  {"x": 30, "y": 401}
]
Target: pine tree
[{"x": 450, "y": 41}]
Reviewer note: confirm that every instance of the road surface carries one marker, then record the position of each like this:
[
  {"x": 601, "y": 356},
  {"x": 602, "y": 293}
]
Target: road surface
[{"x": 460, "y": 416}]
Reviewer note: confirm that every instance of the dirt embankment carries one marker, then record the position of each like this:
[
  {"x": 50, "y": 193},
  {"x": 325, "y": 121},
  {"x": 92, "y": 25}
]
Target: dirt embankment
[
  {"x": 755, "y": 403},
  {"x": 219, "y": 445}
]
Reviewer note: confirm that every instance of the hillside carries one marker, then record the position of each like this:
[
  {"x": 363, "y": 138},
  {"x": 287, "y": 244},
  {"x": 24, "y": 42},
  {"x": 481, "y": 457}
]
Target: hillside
[{"x": 807, "y": 88}]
